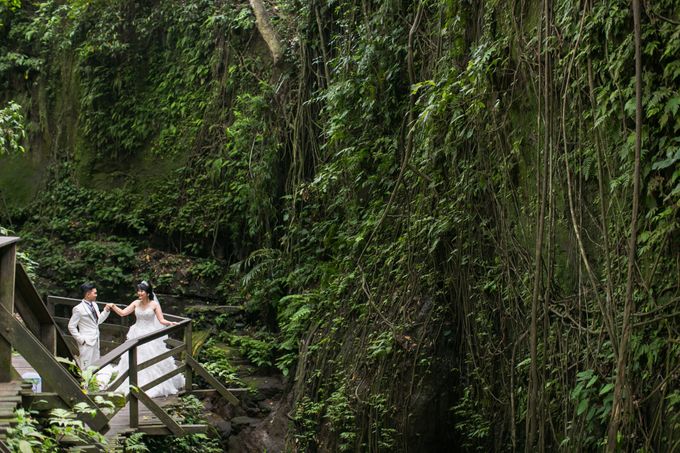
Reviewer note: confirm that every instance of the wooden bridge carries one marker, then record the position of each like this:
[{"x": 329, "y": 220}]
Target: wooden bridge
[{"x": 32, "y": 328}]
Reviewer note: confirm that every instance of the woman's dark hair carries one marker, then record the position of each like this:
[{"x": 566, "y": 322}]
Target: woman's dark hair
[{"x": 147, "y": 288}]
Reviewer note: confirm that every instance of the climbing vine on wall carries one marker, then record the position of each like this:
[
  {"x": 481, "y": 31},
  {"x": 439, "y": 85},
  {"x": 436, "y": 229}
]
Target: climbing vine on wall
[{"x": 429, "y": 203}]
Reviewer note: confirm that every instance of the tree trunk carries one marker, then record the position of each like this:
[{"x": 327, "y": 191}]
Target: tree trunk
[{"x": 266, "y": 30}]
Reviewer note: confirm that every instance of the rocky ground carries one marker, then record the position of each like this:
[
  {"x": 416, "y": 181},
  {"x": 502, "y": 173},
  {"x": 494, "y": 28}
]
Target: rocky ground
[{"x": 260, "y": 422}]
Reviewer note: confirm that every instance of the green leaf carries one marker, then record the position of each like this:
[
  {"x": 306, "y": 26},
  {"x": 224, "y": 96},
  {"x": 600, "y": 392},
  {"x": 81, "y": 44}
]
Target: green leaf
[
  {"x": 606, "y": 389},
  {"x": 591, "y": 381},
  {"x": 672, "y": 105},
  {"x": 25, "y": 447},
  {"x": 583, "y": 405},
  {"x": 661, "y": 164},
  {"x": 629, "y": 108}
]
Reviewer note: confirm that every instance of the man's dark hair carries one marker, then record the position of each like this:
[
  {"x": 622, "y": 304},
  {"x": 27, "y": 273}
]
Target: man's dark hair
[{"x": 86, "y": 288}]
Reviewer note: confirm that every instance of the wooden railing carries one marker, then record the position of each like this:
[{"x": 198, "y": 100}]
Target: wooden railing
[
  {"x": 7, "y": 276},
  {"x": 181, "y": 350},
  {"x": 36, "y": 316},
  {"x": 34, "y": 336},
  {"x": 30, "y": 326}
]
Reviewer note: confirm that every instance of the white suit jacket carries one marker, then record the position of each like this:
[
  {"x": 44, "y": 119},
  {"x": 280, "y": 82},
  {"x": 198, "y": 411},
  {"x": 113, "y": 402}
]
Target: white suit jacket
[{"x": 83, "y": 326}]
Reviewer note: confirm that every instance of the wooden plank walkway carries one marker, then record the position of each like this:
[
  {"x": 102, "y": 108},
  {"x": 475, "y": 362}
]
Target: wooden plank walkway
[{"x": 120, "y": 423}]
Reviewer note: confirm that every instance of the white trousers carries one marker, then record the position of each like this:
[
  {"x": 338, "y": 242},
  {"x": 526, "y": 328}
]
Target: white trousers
[{"x": 88, "y": 354}]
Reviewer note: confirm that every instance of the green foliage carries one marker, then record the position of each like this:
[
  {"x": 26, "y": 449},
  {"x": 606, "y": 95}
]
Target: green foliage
[
  {"x": 6, "y": 8},
  {"x": 381, "y": 345},
  {"x": 24, "y": 258},
  {"x": 259, "y": 349},
  {"x": 381, "y": 217},
  {"x": 216, "y": 361},
  {"x": 340, "y": 415},
  {"x": 107, "y": 262},
  {"x": 153, "y": 84},
  {"x": 111, "y": 258},
  {"x": 89, "y": 381},
  {"x": 12, "y": 131},
  {"x": 134, "y": 443},
  {"x": 206, "y": 269},
  {"x": 189, "y": 410},
  {"x": 295, "y": 313},
  {"x": 306, "y": 417},
  {"x": 10, "y": 4},
  {"x": 593, "y": 402},
  {"x": 28, "y": 434},
  {"x": 382, "y": 435},
  {"x": 64, "y": 424},
  {"x": 471, "y": 423}
]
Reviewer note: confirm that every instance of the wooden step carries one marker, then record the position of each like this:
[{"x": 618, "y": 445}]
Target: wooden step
[
  {"x": 9, "y": 392},
  {"x": 10, "y": 387},
  {"x": 162, "y": 430}
]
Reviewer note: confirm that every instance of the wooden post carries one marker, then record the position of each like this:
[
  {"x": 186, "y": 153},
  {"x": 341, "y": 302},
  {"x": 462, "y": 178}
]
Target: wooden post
[
  {"x": 7, "y": 275},
  {"x": 134, "y": 401},
  {"x": 48, "y": 332},
  {"x": 48, "y": 337},
  {"x": 188, "y": 384},
  {"x": 50, "y": 306}
]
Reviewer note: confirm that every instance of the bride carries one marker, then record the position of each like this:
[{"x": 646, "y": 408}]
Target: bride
[{"x": 149, "y": 319}]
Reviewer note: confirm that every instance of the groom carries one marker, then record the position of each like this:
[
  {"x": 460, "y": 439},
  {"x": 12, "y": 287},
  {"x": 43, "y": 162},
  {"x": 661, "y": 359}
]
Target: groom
[{"x": 84, "y": 325}]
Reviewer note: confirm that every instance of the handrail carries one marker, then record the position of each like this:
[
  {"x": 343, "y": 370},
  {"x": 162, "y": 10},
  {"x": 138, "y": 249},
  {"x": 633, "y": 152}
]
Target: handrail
[
  {"x": 138, "y": 393},
  {"x": 7, "y": 274},
  {"x": 73, "y": 302},
  {"x": 16, "y": 334},
  {"x": 37, "y": 337},
  {"x": 29, "y": 304},
  {"x": 8, "y": 240},
  {"x": 134, "y": 342}
]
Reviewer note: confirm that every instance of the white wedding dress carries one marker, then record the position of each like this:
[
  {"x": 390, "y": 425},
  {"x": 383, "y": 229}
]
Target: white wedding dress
[{"x": 145, "y": 324}]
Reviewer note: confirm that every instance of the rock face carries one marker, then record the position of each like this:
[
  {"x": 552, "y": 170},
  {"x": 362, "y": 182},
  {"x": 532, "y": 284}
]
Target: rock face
[
  {"x": 262, "y": 434},
  {"x": 267, "y": 387},
  {"x": 264, "y": 423},
  {"x": 260, "y": 422},
  {"x": 223, "y": 427},
  {"x": 255, "y": 426},
  {"x": 241, "y": 422}
]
